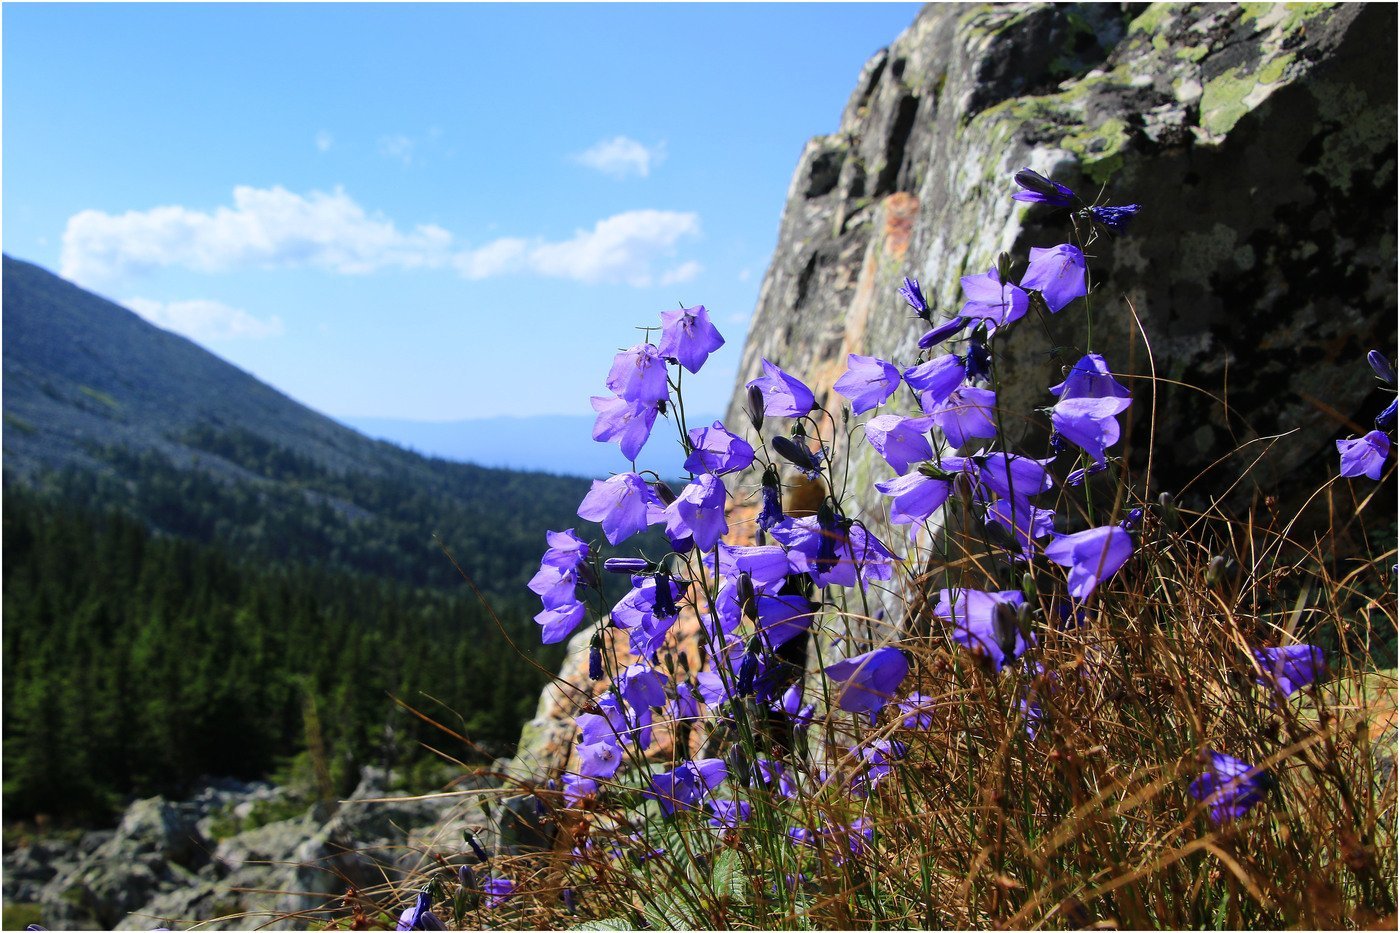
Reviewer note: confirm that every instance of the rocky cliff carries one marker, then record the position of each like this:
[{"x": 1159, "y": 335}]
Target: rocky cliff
[{"x": 1259, "y": 140}]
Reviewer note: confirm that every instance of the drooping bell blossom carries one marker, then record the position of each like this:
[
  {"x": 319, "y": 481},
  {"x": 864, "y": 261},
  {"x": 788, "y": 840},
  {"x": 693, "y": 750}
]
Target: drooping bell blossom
[
  {"x": 991, "y": 300},
  {"x": 935, "y": 380},
  {"x": 1022, "y": 521},
  {"x": 1115, "y": 218},
  {"x": 783, "y": 618},
  {"x": 773, "y": 775},
  {"x": 1229, "y": 786},
  {"x": 877, "y": 761},
  {"x": 688, "y": 337},
  {"x": 1364, "y": 456},
  {"x": 623, "y": 504},
  {"x": 1091, "y": 424},
  {"x": 766, "y": 565},
  {"x": 1058, "y": 273},
  {"x": 901, "y": 441},
  {"x": 420, "y": 916},
  {"x": 497, "y": 891},
  {"x": 943, "y": 331},
  {"x": 918, "y": 710},
  {"x": 869, "y": 681},
  {"x": 1037, "y": 189},
  {"x": 627, "y": 423},
  {"x": 977, "y": 362},
  {"x": 638, "y": 374},
  {"x": 911, "y": 294},
  {"x": 783, "y": 395},
  {"x": 868, "y": 382},
  {"x": 577, "y": 788},
  {"x": 1091, "y": 556},
  {"x": 852, "y": 551},
  {"x": 566, "y": 549},
  {"x": 628, "y": 724},
  {"x": 698, "y": 512},
  {"x": 600, "y": 759},
  {"x": 686, "y": 705},
  {"x": 1290, "y": 669},
  {"x": 1090, "y": 378},
  {"x": 976, "y": 627},
  {"x": 969, "y": 412},
  {"x": 641, "y": 686},
  {"x": 728, "y": 814},
  {"x": 716, "y": 450},
  {"x": 1012, "y": 476},
  {"x": 1077, "y": 477},
  {"x": 916, "y": 496},
  {"x": 555, "y": 587},
  {"x": 637, "y": 612},
  {"x": 559, "y": 622},
  {"x": 687, "y": 785},
  {"x": 712, "y": 688}
]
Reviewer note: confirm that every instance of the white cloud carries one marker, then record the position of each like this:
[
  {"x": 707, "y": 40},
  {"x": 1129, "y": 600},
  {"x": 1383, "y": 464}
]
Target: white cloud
[
  {"x": 205, "y": 320},
  {"x": 266, "y": 227},
  {"x": 276, "y": 228},
  {"x": 324, "y": 141},
  {"x": 398, "y": 147},
  {"x": 621, "y": 156},
  {"x": 620, "y": 248}
]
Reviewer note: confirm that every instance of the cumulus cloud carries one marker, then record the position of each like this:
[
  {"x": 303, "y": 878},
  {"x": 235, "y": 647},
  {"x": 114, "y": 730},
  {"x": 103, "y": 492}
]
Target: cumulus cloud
[
  {"x": 204, "y": 320},
  {"x": 276, "y": 228},
  {"x": 324, "y": 141},
  {"x": 265, "y": 227},
  {"x": 620, "y": 157}
]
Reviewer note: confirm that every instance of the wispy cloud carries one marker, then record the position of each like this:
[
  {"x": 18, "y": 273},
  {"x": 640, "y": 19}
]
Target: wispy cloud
[
  {"x": 205, "y": 320},
  {"x": 267, "y": 227},
  {"x": 621, "y": 157},
  {"x": 324, "y": 141},
  {"x": 276, "y": 228}
]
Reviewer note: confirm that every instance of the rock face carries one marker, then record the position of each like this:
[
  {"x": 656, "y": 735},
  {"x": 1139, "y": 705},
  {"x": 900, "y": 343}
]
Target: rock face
[{"x": 1259, "y": 140}]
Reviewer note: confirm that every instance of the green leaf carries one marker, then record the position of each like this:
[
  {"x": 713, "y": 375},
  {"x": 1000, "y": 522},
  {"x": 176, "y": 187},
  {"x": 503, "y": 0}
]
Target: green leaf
[
  {"x": 728, "y": 877},
  {"x": 612, "y": 923}
]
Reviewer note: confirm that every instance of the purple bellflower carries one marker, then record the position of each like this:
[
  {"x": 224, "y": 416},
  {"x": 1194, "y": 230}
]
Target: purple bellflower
[
  {"x": 1090, "y": 424},
  {"x": 916, "y": 496},
  {"x": 1229, "y": 787},
  {"x": 976, "y": 625},
  {"x": 1058, "y": 273},
  {"x": 1037, "y": 189},
  {"x": 1014, "y": 477},
  {"x": 783, "y": 618},
  {"x": 717, "y": 450},
  {"x": 1091, "y": 556},
  {"x": 1385, "y": 421},
  {"x": 497, "y": 891},
  {"x": 627, "y": 423},
  {"x": 901, "y": 441},
  {"x": 420, "y": 915},
  {"x": 833, "y": 556},
  {"x": 1364, "y": 456},
  {"x": 728, "y": 814},
  {"x": 699, "y": 512},
  {"x": 967, "y": 413},
  {"x": 869, "y": 681},
  {"x": 993, "y": 301},
  {"x": 687, "y": 785},
  {"x": 623, "y": 504},
  {"x": 1090, "y": 378},
  {"x": 868, "y": 382},
  {"x": 1381, "y": 367},
  {"x": 935, "y": 380},
  {"x": 688, "y": 337},
  {"x": 641, "y": 686},
  {"x": 918, "y": 710},
  {"x": 638, "y": 612},
  {"x": 577, "y": 787},
  {"x": 877, "y": 761},
  {"x": 783, "y": 395},
  {"x": 638, "y": 374},
  {"x": 1022, "y": 521},
  {"x": 766, "y": 565},
  {"x": 559, "y": 622},
  {"x": 1290, "y": 669}
]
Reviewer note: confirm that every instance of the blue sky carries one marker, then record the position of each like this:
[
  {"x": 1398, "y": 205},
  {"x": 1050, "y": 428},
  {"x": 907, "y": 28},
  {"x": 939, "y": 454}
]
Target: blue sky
[{"x": 432, "y": 211}]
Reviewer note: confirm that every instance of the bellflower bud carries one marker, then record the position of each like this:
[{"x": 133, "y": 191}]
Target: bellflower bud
[
  {"x": 1004, "y": 267},
  {"x": 1171, "y": 518},
  {"x": 1385, "y": 421},
  {"x": 595, "y": 658},
  {"x": 915, "y": 297},
  {"x": 754, "y": 407},
  {"x": 477, "y": 850},
  {"x": 665, "y": 607},
  {"x": 1005, "y": 628},
  {"x": 626, "y": 565},
  {"x": 796, "y": 454},
  {"x": 665, "y": 492},
  {"x": 1382, "y": 366}
]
